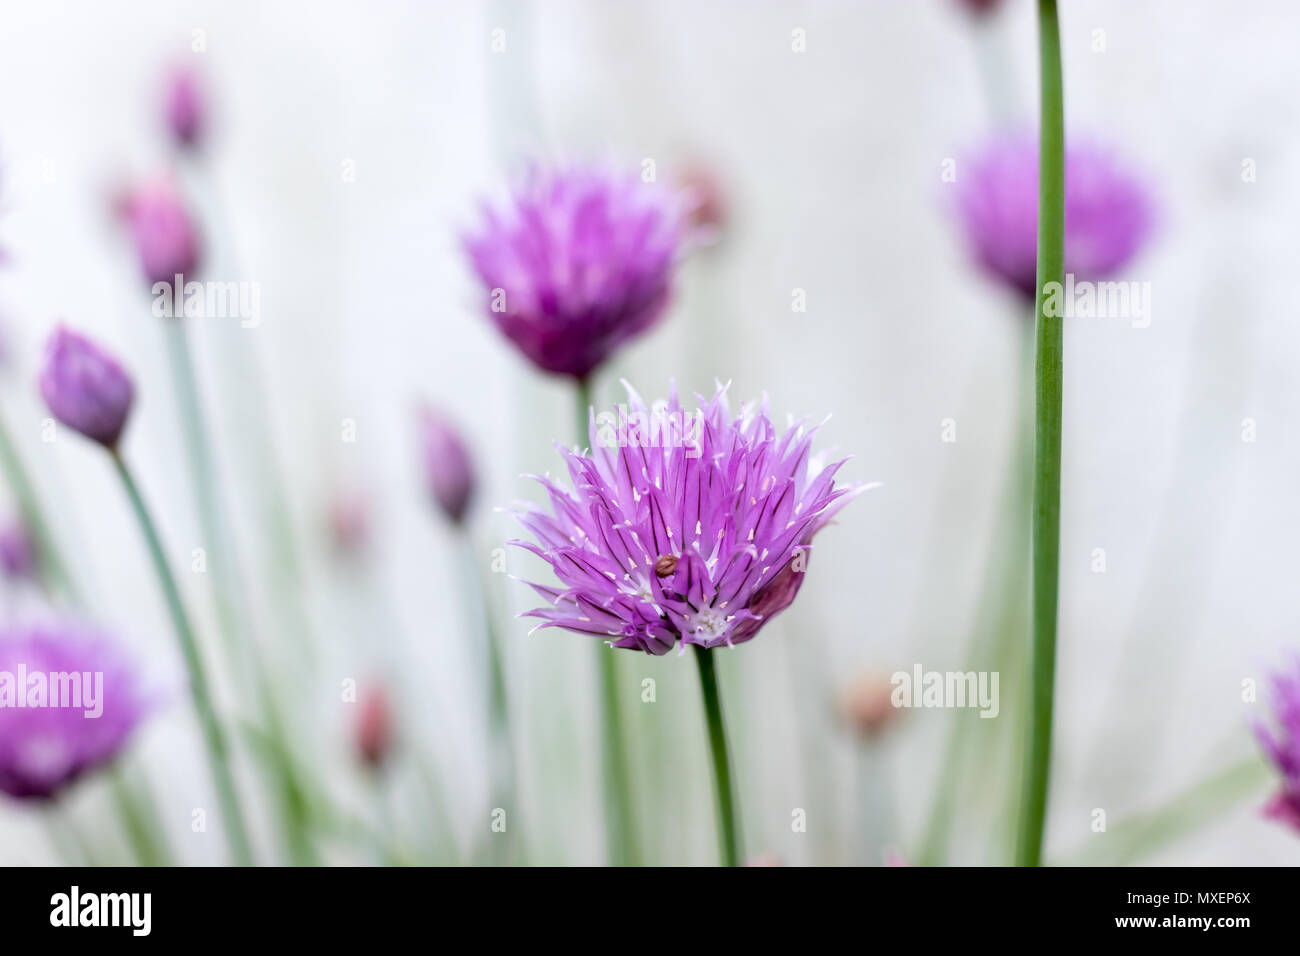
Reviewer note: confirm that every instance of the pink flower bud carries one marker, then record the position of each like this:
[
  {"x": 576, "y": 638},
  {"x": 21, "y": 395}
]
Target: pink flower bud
[{"x": 85, "y": 387}]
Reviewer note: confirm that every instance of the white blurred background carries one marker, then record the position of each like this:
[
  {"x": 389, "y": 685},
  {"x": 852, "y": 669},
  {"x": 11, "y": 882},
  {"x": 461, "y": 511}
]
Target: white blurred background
[{"x": 831, "y": 161}]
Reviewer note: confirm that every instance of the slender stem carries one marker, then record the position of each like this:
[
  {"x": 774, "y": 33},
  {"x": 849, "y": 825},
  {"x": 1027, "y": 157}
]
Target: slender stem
[
  {"x": 48, "y": 556},
  {"x": 201, "y": 475},
  {"x": 728, "y": 826},
  {"x": 143, "y": 829},
  {"x": 1046, "y": 532},
  {"x": 619, "y": 821},
  {"x": 228, "y": 591},
  {"x": 501, "y": 766},
  {"x": 213, "y": 735}
]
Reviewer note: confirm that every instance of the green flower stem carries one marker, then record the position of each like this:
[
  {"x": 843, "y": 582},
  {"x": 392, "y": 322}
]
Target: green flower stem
[
  {"x": 48, "y": 555},
  {"x": 292, "y": 790},
  {"x": 1046, "y": 528},
  {"x": 502, "y": 765},
  {"x": 728, "y": 825},
  {"x": 621, "y": 826},
  {"x": 213, "y": 735},
  {"x": 1142, "y": 835},
  {"x": 205, "y": 493},
  {"x": 141, "y": 824},
  {"x": 1001, "y": 618}
]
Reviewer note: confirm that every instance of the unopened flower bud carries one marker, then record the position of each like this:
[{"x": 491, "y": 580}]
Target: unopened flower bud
[
  {"x": 448, "y": 470},
  {"x": 164, "y": 233},
  {"x": 183, "y": 107},
  {"x": 17, "y": 550},
  {"x": 867, "y": 706},
  {"x": 374, "y": 728},
  {"x": 85, "y": 387}
]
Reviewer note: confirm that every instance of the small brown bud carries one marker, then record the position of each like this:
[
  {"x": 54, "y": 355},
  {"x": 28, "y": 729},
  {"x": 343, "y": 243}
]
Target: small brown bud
[
  {"x": 867, "y": 704},
  {"x": 666, "y": 565}
]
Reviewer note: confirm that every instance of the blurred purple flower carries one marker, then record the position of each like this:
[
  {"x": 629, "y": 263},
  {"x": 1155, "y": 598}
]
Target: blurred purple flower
[
  {"x": 349, "y": 521},
  {"x": 1283, "y": 748},
  {"x": 164, "y": 233},
  {"x": 374, "y": 728},
  {"x": 183, "y": 106},
  {"x": 48, "y": 741},
  {"x": 980, "y": 7},
  {"x": 682, "y": 527},
  {"x": 17, "y": 550},
  {"x": 580, "y": 261},
  {"x": 706, "y": 195},
  {"x": 448, "y": 469},
  {"x": 1108, "y": 212},
  {"x": 85, "y": 388}
]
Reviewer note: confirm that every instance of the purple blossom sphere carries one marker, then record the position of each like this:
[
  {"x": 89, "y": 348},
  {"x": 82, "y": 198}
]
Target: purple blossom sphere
[
  {"x": 1108, "y": 212},
  {"x": 448, "y": 469},
  {"x": 579, "y": 261},
  {"x": 69, "y": 702},
  {"x": 183, "y": 109},
  {"x": 85, "y": 388},
  {"x": 682, "y": 527},
  {"x": 1283, "y": 747},
  {"x": 164, "y": 234}
]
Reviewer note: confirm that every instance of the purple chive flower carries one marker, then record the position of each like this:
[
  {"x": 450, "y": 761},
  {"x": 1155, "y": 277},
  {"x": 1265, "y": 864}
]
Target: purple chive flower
[
  {"x": 85, "y": 388},
  {"x": 17, "y": 550},
  {"x": 580, "y": 261},
  {"x": 183, "y": 106},
  {"x": 69, "y": 702},
  {"x": 164, "y": 233},
  {"x": 1108, "y": 212},
  {"x": 1283, "y": 748},
  {"x": 448, "y": 469},
  {"x": 692, "y": 528}
]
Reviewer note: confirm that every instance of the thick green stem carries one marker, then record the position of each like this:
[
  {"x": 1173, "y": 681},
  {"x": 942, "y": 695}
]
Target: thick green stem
[
  {"x": 213, "y": 735},
  {"x": 619, "y": 821},
  {"x": 1046, "y": 531},
  {"x": 728, "y": 826}
]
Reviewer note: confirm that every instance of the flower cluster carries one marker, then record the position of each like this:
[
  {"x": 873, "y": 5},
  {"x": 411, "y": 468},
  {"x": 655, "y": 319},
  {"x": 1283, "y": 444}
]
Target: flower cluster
[
  {"x": 1108, "y": 213},
  {"x": 659, "y": 543},
  {"x": 580, "y": 261},
  {"x": 1283, "y": 748},
  {"x": 47, "y": 742}
]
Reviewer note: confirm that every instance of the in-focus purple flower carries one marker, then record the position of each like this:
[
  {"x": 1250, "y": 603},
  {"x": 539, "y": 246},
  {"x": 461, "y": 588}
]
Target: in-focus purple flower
[
  {"x": 183, "y": 106},
  {"x": 164, "y": 234},
  {"x": 580, "y": 261},
  {"x": 448, "y": 468},
  {"x": 69, "y": 702},
  {"x": 17, "y": 550},
  {"x": 85, "y": 388},
  {"x": 1283, "y": 746},
  {"x": 682, "y": 528},
  {"x": 1108, "y": 212}
]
